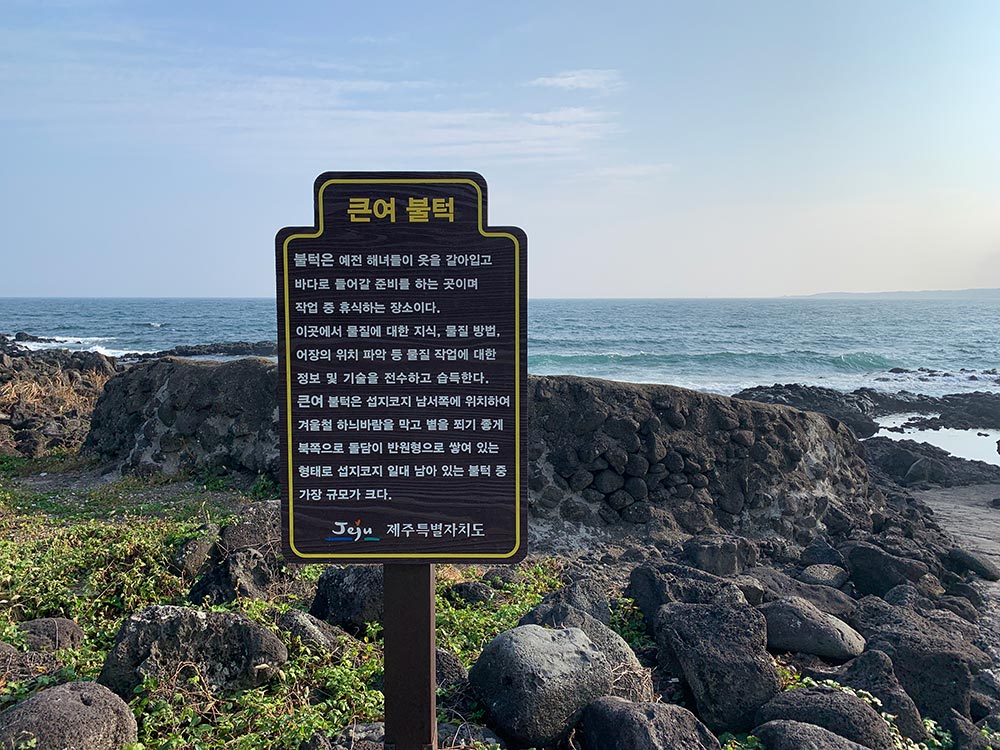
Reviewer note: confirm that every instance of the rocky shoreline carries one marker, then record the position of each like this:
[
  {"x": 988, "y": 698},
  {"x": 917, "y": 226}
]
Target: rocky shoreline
[
  {"x": 861, "y": 408},
  {"x": 756, "y": 535}
]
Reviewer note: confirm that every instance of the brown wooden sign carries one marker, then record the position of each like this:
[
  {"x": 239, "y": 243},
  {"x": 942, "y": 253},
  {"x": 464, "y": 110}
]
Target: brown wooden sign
[{"x": 402, "y": 320}]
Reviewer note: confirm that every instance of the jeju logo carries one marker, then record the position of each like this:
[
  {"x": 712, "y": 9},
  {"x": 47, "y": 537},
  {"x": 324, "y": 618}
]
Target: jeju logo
[{"x": 345, "y": 531}]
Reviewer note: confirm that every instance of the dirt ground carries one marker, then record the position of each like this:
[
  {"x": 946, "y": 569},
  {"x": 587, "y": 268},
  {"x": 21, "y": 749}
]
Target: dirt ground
[{"x": 967, "y": 514}]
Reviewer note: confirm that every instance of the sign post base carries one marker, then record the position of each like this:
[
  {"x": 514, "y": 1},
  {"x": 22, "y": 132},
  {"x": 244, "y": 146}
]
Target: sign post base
[{"x": 410, "y": 685}]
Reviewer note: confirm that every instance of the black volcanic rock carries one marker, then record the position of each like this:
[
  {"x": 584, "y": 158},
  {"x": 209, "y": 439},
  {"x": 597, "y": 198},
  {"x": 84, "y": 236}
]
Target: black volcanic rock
[
  {"x": 795, "y": 625},
  {"x": 713, "y": 464},
  {"x": 934, "y": 665},
  {"x": 721, "y": 649},
  {"x": 833, "y": 709},
  {"x": 535, "y": 683},
  {"x": 615, "y": 723},
  {"x": 797, "y": 735},
  {"x": 853, "y": 409},
  {"x": 46, "y": 398},
  {"x": 873, "y": 673},
  {"x": 226, "y": 650},
  {"x": 913, "y": 463},
  {"x": 230, "y": 349},
  {"x": 875, "y": 571}
]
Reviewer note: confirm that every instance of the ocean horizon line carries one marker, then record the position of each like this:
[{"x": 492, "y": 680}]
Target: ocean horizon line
[{"x": 923, "y": 294}]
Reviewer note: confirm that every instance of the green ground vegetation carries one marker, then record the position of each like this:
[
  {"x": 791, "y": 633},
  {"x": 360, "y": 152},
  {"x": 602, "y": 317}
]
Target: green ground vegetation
[{"x": 98, "y": 551}]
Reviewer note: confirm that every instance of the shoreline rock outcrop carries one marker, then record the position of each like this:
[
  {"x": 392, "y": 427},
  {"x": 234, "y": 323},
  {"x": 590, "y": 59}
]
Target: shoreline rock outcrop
[
  {"x": 174, "y": 416},
  {"x": 46, "y": 399},
  {"x": 749, "y": 532},
  {"x": 621, "y": 459}
]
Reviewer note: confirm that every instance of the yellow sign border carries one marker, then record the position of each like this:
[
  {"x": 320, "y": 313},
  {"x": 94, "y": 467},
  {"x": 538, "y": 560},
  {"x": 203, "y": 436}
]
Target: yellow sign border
[{"x": 517, "y": 372}]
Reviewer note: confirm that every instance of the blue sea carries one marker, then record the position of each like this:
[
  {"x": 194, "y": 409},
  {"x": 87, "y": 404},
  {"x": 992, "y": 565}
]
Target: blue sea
[{"x": 718, "y": 345}]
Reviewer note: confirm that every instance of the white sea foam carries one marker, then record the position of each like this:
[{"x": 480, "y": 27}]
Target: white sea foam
[
  {"x": 81, "y": 344},
  {"x": 115, "y": 352},
  {"x": 64, "y": 342}
]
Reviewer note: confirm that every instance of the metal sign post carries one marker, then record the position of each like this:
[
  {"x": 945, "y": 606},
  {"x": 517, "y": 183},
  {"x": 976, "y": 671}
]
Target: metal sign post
[{"x": 402, "y": 328}]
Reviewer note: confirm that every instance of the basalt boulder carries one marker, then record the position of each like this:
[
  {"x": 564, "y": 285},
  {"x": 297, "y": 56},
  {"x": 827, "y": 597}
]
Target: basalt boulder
[
  {"x": 350, "y": 597},
  {"x": 226, "y": 650},
  {"x": 613, "y": 723},
  {"x": 833, "y": 709},
  {"x": 875, "y": 571},
  {"x": 935, "y": 666},
  {"x": 72, "y": 716},
  {"x": 535, "y": 682},
  {"x": 793, "y": 624},
  {"x": 631, "y": 679},
  {"x": 873, "y": 673},
  {"x": 721, "y": 650},
  {"x": 796, "y": 735},
  {"x": 652, "y": 586}
]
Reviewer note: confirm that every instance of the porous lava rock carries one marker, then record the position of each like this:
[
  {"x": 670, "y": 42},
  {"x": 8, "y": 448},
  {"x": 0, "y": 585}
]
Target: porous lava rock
[
  {"x": 935, "y": 666},
  {"x": 873, "y": 673},
  {"x": 612, "y": 723},
  {"x": 793, "y": 624},
  {"x": 721, "y": 650},
  {"x": 225, "y": 650},
  {"x": 652, "y": 586},
  {"x": 72, "y": 716},
  {"x": 535, "y": 682},
  {"x": 350, "y": 597},
  {"x": 833, "y": 709},
  {"x": 797, "y": 735}
]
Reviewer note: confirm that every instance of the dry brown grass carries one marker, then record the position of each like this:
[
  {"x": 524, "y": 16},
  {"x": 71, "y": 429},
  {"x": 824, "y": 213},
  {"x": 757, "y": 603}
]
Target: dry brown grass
[
  {"x": 53, "y": 394},
  {"x": 7, "y": 445}
]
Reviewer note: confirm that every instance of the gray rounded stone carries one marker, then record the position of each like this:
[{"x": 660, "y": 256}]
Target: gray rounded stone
[
  {"x": 536, "y": 682},
  {"x": 608, "y": 481},
  {"x": 796, "y": 735},
  {"x": 613, "y": 723},
  {"x": 793, "y": 624},
  {"x": 833, "y": 709},
  {"x": 632, "y": 680},
  {"x": 825, "y": 575},
  {"x": 73, "y": 716}
]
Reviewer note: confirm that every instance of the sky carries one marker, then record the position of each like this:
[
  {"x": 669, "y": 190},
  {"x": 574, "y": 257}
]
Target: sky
[{"x": 648, "y": 149}]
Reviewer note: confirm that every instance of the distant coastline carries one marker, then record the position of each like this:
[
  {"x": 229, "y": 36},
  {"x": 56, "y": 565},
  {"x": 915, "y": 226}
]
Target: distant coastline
[{"x": 930, "y": 294}]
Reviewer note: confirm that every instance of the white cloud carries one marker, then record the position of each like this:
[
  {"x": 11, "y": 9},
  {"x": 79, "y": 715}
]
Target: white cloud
[
  {"x": 584, "y": 79},
  {"x": 111, "y": 95}
]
